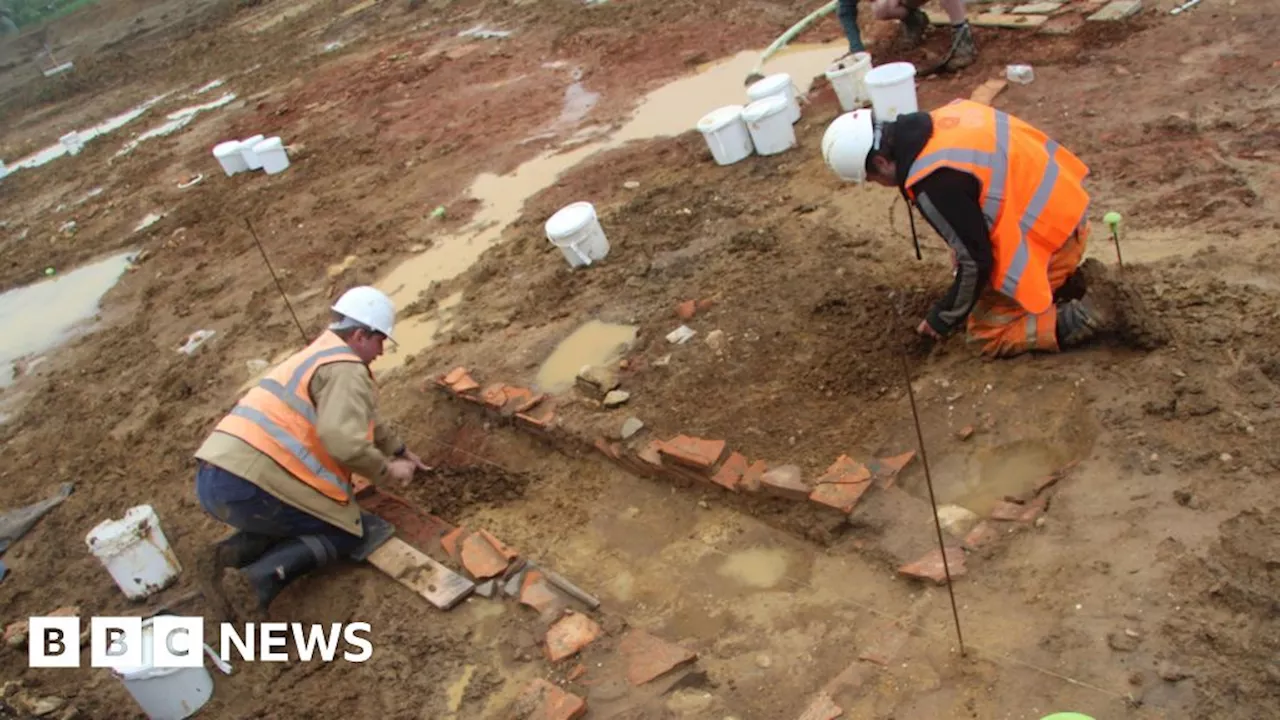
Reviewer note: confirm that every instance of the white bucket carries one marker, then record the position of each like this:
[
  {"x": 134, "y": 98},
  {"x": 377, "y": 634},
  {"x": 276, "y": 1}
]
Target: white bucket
[
  {"x": 726, "y": 134},
  {"x": 230, "y": 157},
  {"x": 251, "y": 159},
  {"x": 72, "y": 142},
  {"x": 770, "y": 126},
  {"x": 847, "y": 79},
  {"x": 778, "y": 84},
  {"x": 135, "y": 552},
  {"x": 892, "y": 88},
  {"x": 5, "y": 171},
  {"x": 167, "y": 693},
  {"x": 272, "y": 154},
  {"x": 576, "y": 231}
]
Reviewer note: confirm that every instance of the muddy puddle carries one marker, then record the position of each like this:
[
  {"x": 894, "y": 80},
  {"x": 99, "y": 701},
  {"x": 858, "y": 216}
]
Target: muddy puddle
[
  {"x": 760, "y": 568},
  {"x": 109, "y": 125},
  {"x": 595, "y": 343},
  {"x": 36, "y": 318},
  {"x": 670, "y": 110},
  {"x": 1013, "y": 469}
]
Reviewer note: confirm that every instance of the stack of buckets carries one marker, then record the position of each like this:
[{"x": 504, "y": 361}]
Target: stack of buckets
[
  {"x": 255, "y": 153},
  {"x": 764, "y": 126}
]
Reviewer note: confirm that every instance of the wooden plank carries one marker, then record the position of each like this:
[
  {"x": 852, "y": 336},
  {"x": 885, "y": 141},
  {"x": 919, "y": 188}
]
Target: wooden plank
[
  {"x": 1001, "y": 20},
  {"x": 440, "y": 586},
  {"x": 1117, "y": 10},
  {"x": 987, "y": 91}
]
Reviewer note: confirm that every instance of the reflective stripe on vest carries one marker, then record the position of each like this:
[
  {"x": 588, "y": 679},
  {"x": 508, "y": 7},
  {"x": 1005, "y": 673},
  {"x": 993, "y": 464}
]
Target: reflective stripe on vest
[
  {"x": 278, "y": 418},
  {"x": 1012, "y": 238}
]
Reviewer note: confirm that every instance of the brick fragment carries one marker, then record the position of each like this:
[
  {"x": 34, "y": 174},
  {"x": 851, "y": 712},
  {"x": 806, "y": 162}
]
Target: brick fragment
[
  {"x": 886, "y": 470},
  {"x": 569, "y": 635},
  {"x": 611, "y": 450},
  {"x": 495, "y": 395},
  {"x": 1005, "y": 510},
  {"x": 650, "y": 455},
  {"x": 930, "y": 566},
  {"x": 982, "y": 534},
  {"x": 649, "y": 658},
  {"x": 516, "y": 399},
  {"x": 785, "y": 481},
  {"x": 751, "y": 477},
  {"x": 842, "y": 485},
  {"x": 730, "y": 473},
  {"x": 503, "y": 550},
  {"x": 577, "y": 672},
  {"x": 693, "y": 452},
  {"x": 965, "y": 432},
  {"x": 540, "y": 420},
  {"x": 822, "y": 708},
  {"x": 541, "y": 700},
  {"x": 686, "y": 310},
  {"x": 454, "y": 375},
  {"x": 538, "y": 594},
  {"x": 1032, "y": 510},
  {"x": 481, "y": 558},
  {"x": 452, "y": 543}
]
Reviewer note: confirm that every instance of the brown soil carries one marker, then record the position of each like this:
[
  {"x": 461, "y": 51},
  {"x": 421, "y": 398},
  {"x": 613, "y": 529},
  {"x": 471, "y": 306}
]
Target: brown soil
[{"x": 1164, "y": 528}]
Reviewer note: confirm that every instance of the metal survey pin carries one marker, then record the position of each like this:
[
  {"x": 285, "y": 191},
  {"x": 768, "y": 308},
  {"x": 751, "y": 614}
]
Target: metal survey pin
[{"x": 1112, "y": 219}]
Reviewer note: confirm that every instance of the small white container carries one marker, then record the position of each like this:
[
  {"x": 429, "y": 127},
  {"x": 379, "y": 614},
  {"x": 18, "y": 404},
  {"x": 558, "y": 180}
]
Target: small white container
[
  {"x": 847, "y": 78},
  {"x": 726, "y": 134},
  {"x": 770, "y": 125},
  {"x": 892, "y": 88},
  {"x": 230, "y": 157},
  {"x": 72, "y": 142},
  {"x": 167, "y": 693},
  {"x": 1020, "y": 74},
  {"x": 273, "y": 156},
  {"x": 778, "y": 84},
  {"x": 251, "y": 159},
  {"x": 577, "y": 232},
  {"x": 134, "y": 550}
]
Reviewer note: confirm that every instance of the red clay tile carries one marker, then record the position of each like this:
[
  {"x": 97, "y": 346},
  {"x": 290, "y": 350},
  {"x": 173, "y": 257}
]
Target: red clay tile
[
  {"x": 965, "y": 432},
  {"x": 677, "y": 473},
  {"x": 730, "y": 473},
  {"x": 482, "y": 559},
  {"x": 822, "y": 708},
  {"x": 842, "y": 485},
  {"x": 515, "y": 400},
  {"x": 611, "y": 450},
  {"x": 454, "y": 375},
  {"x": 452, "y": 543},
  {"x": 686, "y": 310},
  {"x": 530, "y": 403},
  {"x": 538, "y": 594},
  {"x": 569, "y": 635},
  {"x": 886, "y": 470},
  {"x": 543, "y": 701},
  {"x": 981, "y": 535},
  {"x": 498, "y": 545},
  {"x": 751, "y": 477},
  {"x": 649, "y": 658},
  {"x": 577, "y": 673},
  {"x": 785, "y": 481},
  {"x": 693, "y": 452},
  {"x": 650, "y": 455},
  {"x": 1032, "y": 510},
  {"x": 539, "y": 421},
  {"x": 705, "y": 304},
  {"x": 930, "y": 566},
  {"x": 465, "y": 385},
  {"x": 495, "y": 395}
]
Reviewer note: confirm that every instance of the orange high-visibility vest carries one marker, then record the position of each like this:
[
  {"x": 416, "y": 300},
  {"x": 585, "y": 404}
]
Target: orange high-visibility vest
[
  {"x": 278, "y": 418},
  {"x": 1033, "y": 192}
]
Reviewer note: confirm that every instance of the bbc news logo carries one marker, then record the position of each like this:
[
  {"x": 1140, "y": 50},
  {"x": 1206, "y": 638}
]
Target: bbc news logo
[{"x": 177, "y": 642}]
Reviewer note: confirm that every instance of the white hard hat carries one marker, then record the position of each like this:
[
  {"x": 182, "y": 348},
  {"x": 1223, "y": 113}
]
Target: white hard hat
[
  {"x": 846, "y": 144},
  {"x": 369, "y": 307}
]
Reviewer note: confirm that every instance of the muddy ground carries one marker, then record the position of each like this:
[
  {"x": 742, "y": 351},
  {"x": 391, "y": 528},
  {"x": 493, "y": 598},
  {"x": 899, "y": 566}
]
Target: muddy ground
[{"x": 1144, "y": 594}]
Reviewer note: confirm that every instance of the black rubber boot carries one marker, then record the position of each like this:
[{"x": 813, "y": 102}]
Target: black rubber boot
[
  {"x": 284, "y": 563},
  {"x": 914, "y": 27},
  {"x": 233, "y": 552}
]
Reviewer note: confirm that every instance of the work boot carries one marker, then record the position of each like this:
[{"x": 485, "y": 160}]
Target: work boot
[
  {"x": 281, "y": 565},
  {"x": 964, "y": 51},
  {"x": 1078, "y": 322},
  {"x": 1110, "y": 307},
  {"x": 914, "y": 27},
  {"x": 233, "y": 552}
]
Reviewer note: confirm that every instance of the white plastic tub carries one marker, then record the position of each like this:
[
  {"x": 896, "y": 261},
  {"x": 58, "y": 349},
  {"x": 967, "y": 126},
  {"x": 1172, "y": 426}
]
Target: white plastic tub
[
  {"x": 770, "y": 126},
  {"x": 230, "y": 157},
  {"x": 272, "y": 154},
  {"x": 251, "y": 159},
  {"x": 779, "y": 84},
  {"x": 167, "y": 693},
  {"x": 577, "y": 232},
  {"x": 892, "y": 88},
  {"x": 726, "y": 134},
  {"x": 136, "y": 553},
  {"x": 847, "y": 78}
]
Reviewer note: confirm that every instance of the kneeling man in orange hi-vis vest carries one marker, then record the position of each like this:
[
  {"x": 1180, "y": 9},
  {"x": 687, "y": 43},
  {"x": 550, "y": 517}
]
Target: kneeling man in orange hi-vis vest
[
  {"x": 278, "y": 468},
  {"x": 1010, "y": 203}
]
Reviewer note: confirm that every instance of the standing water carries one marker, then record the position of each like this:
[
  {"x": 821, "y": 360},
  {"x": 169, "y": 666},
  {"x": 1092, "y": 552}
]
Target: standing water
[
  {"x": 595, "y": 343},
  {"x": 39, "y": 317},
  {"x": 670, "y": 110}
]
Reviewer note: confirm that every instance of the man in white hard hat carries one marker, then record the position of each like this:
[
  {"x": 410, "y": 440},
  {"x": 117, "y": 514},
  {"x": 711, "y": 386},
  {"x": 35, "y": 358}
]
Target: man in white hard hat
[
  {"x": 278, "y": 468},
  {"x": 964, "y": 51},
  {"x": 1011, "y": 205}
]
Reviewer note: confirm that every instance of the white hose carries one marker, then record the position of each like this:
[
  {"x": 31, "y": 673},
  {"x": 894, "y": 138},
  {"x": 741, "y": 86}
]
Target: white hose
[{"x": 790, "y": 34}]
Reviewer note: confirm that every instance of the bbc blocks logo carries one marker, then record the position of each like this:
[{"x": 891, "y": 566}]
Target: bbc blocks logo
[{"x": 172, "y": 641}]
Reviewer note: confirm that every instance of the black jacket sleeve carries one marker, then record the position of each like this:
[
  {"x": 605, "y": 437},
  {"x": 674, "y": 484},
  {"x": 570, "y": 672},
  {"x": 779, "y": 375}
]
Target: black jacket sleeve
[{"x": 950, "y": 201}]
